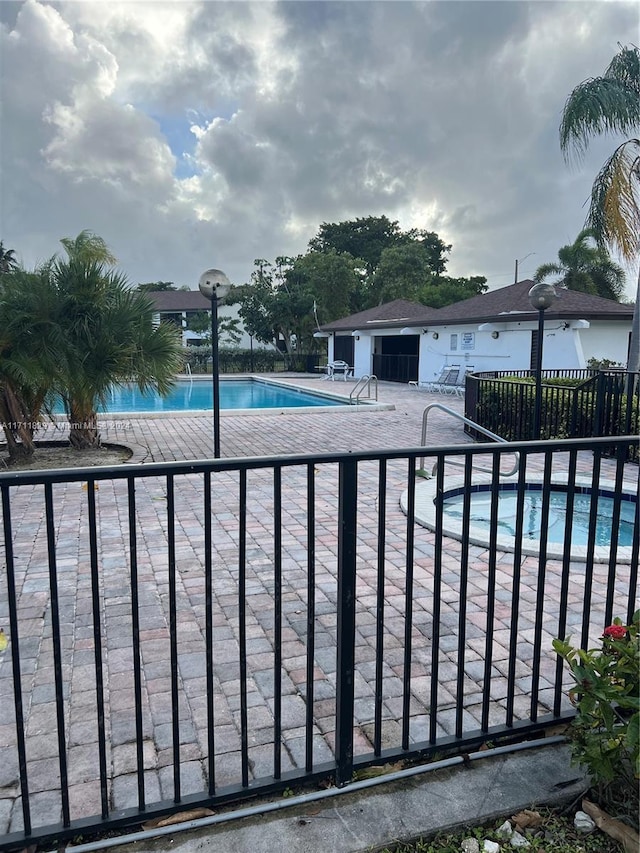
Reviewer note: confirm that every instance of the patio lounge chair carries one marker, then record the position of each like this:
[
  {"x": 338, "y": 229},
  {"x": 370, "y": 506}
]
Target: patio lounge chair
[{"x": 447, "y": 382}]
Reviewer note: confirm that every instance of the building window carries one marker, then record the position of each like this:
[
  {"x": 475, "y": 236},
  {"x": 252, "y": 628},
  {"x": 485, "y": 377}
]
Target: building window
[{"x": 454, "y": 342}]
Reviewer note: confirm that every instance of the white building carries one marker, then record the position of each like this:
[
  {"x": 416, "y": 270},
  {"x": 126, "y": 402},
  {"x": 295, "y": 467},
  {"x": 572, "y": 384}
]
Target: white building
[{"x": 404, "y": 341}]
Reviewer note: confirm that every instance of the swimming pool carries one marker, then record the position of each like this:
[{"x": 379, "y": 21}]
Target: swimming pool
[
  {"x": 197, "y": 395},
  {"x": 452, "y": 502}
]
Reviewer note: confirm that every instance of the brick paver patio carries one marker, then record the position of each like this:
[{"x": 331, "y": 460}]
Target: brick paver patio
[{"x": 183, "y": 437}]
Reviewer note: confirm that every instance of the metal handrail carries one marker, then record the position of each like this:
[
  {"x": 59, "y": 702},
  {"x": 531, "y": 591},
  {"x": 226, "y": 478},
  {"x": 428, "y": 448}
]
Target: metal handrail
[
  {"x": 364, "y": 383},
  {"x": 476, "y": 426}
]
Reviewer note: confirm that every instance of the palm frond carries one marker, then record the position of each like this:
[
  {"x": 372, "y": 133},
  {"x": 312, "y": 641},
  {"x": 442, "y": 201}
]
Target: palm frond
[
  {"x": 545, "y": 270},
  {"x": 614, "y": 211},
  {"x": 597, "y": 106},
  {"x": 625, "y": 68}
]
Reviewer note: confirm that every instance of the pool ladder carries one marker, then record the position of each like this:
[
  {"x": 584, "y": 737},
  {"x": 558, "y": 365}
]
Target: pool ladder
[
  {"x": 366, "y": 388},
  {"x": 468, "y": 422}
]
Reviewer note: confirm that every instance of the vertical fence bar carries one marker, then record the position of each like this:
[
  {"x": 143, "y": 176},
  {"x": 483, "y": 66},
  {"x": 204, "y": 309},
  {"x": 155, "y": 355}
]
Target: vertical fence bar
[
  {"x": 437, "y": 590},
  {"x": 462, "y": 594},
  {"x": 491, "y": 591},
  {"x": 599, "y": 414},
  {"x": 15, "y": 658},
  {"x": 564, "y": 581},
  {"x": 516, "y": 586},
  {"x": 173, "y": 635},
  {"x": 97, "y": 643},
  {"x": 591, "y": 547},
  {"x": 311, "y": 613},
  {"x": 346, "y": 624},
  {"x": 635, "y": 554},
  {"x": 208, "y": 630},
  {"x": 380, "y": 581},
  {"x": 540, "y": 592},
  {"x": 242, "y": 624},
  {"x": 57, "y": 651},
  {"x": 408, "y": 602},
  {"x": 615, "y": 533},
  {"x": 277, "y": 616},
  {"x": 136, "y": 660}
]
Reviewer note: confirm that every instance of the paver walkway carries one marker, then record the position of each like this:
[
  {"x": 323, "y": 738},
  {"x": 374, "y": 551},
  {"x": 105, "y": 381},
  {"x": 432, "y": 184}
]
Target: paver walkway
[{"x": 182, "y": 437}]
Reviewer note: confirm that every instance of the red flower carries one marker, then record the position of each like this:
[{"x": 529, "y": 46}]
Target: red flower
[{"x": 616, "y": 632}]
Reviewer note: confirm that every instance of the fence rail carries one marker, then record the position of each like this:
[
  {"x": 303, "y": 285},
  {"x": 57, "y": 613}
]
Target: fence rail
[{"x": 186, "y": 634}]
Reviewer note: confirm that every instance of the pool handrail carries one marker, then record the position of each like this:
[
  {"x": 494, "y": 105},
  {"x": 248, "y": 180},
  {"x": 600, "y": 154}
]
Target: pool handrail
[
  {"x": 364, "y": 384},
  {"x": 497, "y": 438}
]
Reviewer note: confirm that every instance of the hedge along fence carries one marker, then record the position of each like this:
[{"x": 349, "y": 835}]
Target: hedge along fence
[
  {"x": 251, "y": 361},
  {"x": 570, "y": 407}
]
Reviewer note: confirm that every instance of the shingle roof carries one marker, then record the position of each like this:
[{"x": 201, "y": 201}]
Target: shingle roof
[
  {"x": 179, "y": 300},
  {"x": 494, "y": 306},
  {"x": 396, "y": 313}
]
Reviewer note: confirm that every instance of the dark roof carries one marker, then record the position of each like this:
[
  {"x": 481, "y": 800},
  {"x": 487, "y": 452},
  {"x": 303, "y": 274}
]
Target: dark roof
[
  {"x": 396, "y": 313},
  {"x": 495, "y": 306},
  {"x": 179, "y": 300}
]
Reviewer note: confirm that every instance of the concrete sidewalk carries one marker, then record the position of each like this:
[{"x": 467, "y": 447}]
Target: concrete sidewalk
[{"x": 496, "y": 784}]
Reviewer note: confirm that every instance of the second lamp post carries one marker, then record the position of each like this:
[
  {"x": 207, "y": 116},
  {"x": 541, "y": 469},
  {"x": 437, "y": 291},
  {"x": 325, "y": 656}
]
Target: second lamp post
[
  {"x": 214, "y": 285},
  {"x": 541, "y": 297}
]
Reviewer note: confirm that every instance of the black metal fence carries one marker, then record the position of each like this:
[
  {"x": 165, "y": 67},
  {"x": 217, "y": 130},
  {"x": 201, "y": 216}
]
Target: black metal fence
[
  {"x": 186, "y": 634},
  {"x": 253, "y": 361},
  {"x": 574, "y": 404},
  {"x": 395, "y": 368}
]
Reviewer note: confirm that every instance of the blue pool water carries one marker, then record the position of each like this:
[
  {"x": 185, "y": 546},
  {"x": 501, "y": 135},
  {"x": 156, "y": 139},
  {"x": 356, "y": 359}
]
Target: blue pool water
[
  {"x": 191, "y": 396},
  {"x": 507, "y": 505}
]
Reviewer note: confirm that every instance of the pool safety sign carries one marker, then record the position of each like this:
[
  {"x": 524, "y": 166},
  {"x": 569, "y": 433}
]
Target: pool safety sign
[{"x": 468, "y": 340}]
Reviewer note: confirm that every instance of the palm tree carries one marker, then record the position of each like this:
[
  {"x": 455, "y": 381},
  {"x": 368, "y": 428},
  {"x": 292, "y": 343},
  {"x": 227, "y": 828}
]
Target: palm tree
[
  {"x": 88, "y": 246},
  {"x": 585, "y": 266},
  {"x": 8, "y": 262},
  {"x": 110, "y": 339},
  {"x": 602, "y": 105},
  {"x": 32, "y": 355}
]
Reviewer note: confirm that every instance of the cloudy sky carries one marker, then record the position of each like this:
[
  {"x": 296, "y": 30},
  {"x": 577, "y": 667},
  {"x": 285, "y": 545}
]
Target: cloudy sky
[{"x": 200, "y": 134}]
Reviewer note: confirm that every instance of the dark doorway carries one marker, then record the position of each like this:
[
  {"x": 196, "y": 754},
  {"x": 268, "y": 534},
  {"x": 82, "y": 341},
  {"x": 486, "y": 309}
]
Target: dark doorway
[
  {"x": 343, "y": 349},
  {"x": 396, "y": 358}
]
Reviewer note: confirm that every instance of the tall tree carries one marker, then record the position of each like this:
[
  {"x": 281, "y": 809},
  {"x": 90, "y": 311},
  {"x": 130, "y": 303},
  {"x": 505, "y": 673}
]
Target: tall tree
[
  {"x": 8, "y": 261},
  {"x": 367, "y": 238},
  {"x": 585, "y": 266},
  {"x": 156, "y": 286},
  {"x": 402, "y": 272},
  {"x": 611, "y": 105},
  {"x": 444, "y": 290}
]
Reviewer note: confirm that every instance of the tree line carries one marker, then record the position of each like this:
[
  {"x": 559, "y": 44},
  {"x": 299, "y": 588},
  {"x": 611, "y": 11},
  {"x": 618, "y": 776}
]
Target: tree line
[{"x": 349, "y": 266}]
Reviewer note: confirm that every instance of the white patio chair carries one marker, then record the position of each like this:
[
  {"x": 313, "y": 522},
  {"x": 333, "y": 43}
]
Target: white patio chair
[{"x": 339, "y": 368}]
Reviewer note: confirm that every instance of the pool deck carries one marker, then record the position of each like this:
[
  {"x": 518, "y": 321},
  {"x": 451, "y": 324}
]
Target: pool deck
[{"x": 189, "y": 437}]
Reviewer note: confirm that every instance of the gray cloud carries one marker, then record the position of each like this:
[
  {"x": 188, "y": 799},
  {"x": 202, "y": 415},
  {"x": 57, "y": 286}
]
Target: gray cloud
[{"x": 442, "y": 115}]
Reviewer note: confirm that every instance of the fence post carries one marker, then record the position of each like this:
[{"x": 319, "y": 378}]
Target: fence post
[
  {"x": 345, "y": 662},
  {"x": 600, "y": 401}
]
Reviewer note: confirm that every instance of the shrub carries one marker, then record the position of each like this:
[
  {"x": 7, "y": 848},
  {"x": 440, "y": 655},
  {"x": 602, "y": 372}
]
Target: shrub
[{"x": 606, "y": 730}]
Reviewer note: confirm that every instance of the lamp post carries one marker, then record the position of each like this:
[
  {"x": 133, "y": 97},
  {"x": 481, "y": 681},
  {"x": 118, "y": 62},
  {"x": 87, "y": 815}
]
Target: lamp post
[
  {"x": 214, "y": 285},
  {"x": 541, "y": 297}
]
